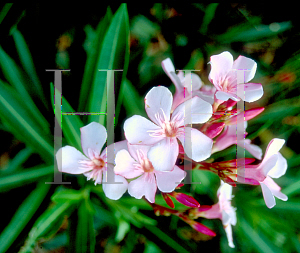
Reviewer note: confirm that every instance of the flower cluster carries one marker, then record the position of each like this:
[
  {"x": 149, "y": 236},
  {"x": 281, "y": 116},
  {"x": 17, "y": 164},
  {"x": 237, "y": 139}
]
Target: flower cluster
[{"x": 196, "y": 122}]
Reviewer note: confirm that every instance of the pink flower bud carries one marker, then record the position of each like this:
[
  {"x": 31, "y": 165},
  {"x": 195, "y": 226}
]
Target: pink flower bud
[
  {"x": 214, "y": 129},
  {"x": 185, "y": 199},
  {"x": 168, "y": 200},
  {"x": 241, "y": 117}
]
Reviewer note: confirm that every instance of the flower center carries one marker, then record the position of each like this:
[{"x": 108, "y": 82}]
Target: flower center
[
  {"x": 98, "y": 163},
  {"x": 147, "y": 165},
  {"x": 170, "y": 129}
]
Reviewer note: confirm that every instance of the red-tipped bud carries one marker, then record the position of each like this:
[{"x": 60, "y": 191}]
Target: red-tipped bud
[
  {"x": 185, "y": 199},
  {"x": 234, "y": 163},
  {"x": 198, "y": 226},
  {"x": 247, "y": 115},
  {"x": 214, "y": 129},
  {"x": 181, "y": 149},
  {"x": 179, "y": 186},
  {"x": 168, "y": 200}
]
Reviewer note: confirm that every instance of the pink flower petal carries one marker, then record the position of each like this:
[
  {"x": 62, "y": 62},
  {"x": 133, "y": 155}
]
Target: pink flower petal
[
  {"x": 145, "y": 185},
  {"x": 275, "y": 189},
  {"x": 253, "y": 149},
  {"x": 93, "y": 136},
  {"x": 228, "y": 231},
  {"x": 169, "y": 69},
  {"x": 268, "y": 196},
  {"x": 163, "y": 155},
  {"x": 167, "y": 181},
  {"x": 274, "y": 146},
  {"x": 198, "y": 110},
  {"x": 224, "y": 96},
  {"x": 135, "y": 149},
  {"x": 247, "y": 64},
  {"x": 201, "y": 145},
  {"x": 117, "y": 146},
  {"x": 158, "y": 103},
  {"x": 67, "y": 160},
  {"x": 280, "y": 168},
  {"x": 115, "y": 191},
  {"x": 253, "y": 92},
  {"x": 136, "y": 131},
  {"x": 125, "y": 165},
  {"x": 221, "y": 64}
]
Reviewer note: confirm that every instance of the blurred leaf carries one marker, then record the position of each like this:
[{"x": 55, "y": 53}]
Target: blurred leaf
[
  {"x": 24, "y": 177},
  {"x": 14, "y": 76},
  {"x": 209, "y": 183},
  {"x": 259, "y": 241},
  {"x": 22, "y": 216},
  {"x": 15, "y": 163},
  {"x": 4, "y": 11},
  {"x": 27, "y": 63},
  {"x": 209, "y": 15},
  {"x": 151, "y": 247},
  {"x": 71, "y": 124},
  {"x": 133, "y": 102},
  {"x": 93, "y": 45},
  {"x": 48, "y": 224},
  {"x": 13, "y": 113},
  {"x": 85, "y": 235},
  {"x": 245, "y": 32},
  {"x": 114, "y": 55},
  {"x": 167, "y": 239}
]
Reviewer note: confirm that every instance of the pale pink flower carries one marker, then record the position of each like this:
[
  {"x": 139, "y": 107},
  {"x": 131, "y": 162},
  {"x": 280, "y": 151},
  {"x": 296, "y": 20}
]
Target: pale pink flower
[
  {"x": 135, "y": 163},
  {"x": 229, "y": 137},
  {"x": 185, "y": 91},
  {"x": 164, "y": 129},
  {"x": 222, "y": 210},
  {"x": 92, "y": 164},
  {"x": 273, "y": 165},
  {"x": 223, "y": 75}
]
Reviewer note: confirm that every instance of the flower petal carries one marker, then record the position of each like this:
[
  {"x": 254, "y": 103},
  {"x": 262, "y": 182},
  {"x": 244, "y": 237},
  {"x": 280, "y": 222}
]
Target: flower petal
[
  {"x": 135, "y": 149},
  {"x": 115, "y": 191},
  {"x": 247, "y": 64},
  {"x": 195, "y": 111},
  {"x": 125, "y": 165},
  {"x": 268, "y": 196},
  {"x": 201, "y": 145},
  {"x": 145, "y": 185},
  {"x": 167, "y": 181},
  {"x": 136, "y": 131},
  {"x": 158, "y": 103},
  {"x": 228, "y": 231},
  {"x": 274, "y": 146},
  {"x": 252, "y": 92},
  {"x": 117, "y": 146},
  {"x": 253, "y": 149},
  {"x": 93, "y": 136},
  {"x": 224, "y": 96},
  {"x": 275, "y": 189},
  {"x": 280, "y": 168},
  {"x": 169, "y": 69},
  {"x": 221, "y": 64},
  {"x": 67, "y": 160},
  {"x": 163, "y": 155}
]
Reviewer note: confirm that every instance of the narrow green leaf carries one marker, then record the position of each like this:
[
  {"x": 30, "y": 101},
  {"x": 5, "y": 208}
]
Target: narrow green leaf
[
  {"x": 4, "y": 11},
  {"x": 114, "y": 55},
  {"x": 23, "y": 216},
  {"x": 14, "y": 76},
  {"x": 93, "y": 45},
  {"x": 47, "y": 224},
  {"x": 24, "y": 177},
  {"x": 133, "y": 102},
  {"x": 12, "y": 111},
  {"x": 15, "y": 163},
  {"x": 85, "y": 235},
  {"x": 123, "y": 229},
  {"x": 67, "y": 194},
  {"x": 166, "y": 239},
  {"x": 71, "y": 124},
  {"x": 27, "y": 64}
]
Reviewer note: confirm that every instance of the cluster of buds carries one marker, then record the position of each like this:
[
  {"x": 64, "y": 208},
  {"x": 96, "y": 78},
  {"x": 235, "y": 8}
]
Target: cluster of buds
[{"x": 197, "y": 122}]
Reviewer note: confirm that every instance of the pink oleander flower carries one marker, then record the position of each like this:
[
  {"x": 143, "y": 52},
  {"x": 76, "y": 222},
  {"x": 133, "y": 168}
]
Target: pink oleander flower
[
  {"x": 92, "y": 164},
  {"x": 273, "y": 165},
  {"x": 222, "y": 210},
  {"x": 223, "y": 75},
  {"x": 163, "y": 131},
  {"x": 135, "y": 163},
  {"x": 186, "y": 91},
  {"x": 229, "y": 137}
]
